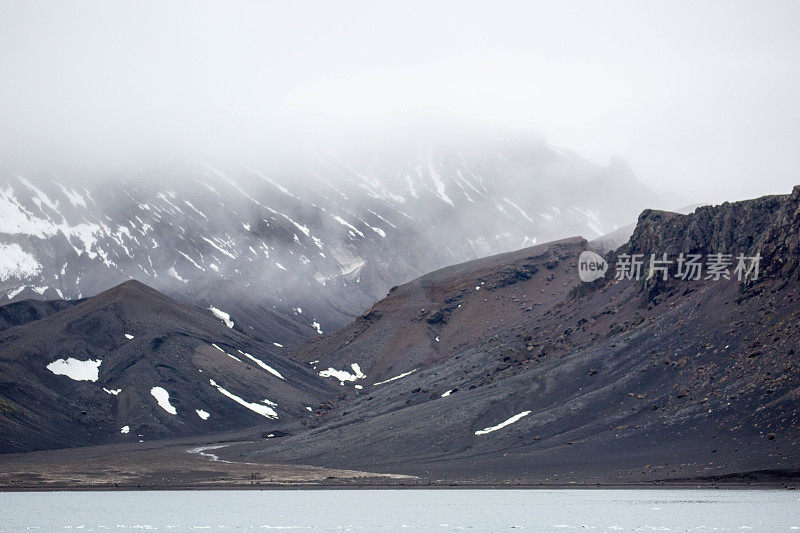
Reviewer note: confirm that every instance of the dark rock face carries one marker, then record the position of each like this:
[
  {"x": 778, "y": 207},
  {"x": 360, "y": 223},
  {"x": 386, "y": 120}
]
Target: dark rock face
[
  {"x": 766, "y": 226},
  {"x": 780, "y": 244},
  {"x": 727, "y": 228}
]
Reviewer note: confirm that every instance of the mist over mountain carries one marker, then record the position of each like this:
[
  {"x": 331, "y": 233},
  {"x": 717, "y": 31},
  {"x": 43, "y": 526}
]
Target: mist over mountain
[{"x": 294, "y": 248}]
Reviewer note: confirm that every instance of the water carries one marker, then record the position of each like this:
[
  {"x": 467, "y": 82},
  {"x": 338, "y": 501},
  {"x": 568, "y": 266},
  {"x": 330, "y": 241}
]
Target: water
[{"x": 396, "y": 510}]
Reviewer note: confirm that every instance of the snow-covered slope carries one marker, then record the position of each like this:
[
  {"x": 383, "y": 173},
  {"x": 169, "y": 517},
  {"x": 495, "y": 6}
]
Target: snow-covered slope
[{"x": 289, "y": 254}]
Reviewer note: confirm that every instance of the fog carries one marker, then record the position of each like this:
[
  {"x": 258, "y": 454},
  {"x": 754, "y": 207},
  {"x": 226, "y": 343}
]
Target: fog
[{"x": 699, "y": 97}]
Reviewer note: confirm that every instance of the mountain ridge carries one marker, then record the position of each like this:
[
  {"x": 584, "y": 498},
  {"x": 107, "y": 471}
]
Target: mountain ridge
[{"x": 280, "y": 248}]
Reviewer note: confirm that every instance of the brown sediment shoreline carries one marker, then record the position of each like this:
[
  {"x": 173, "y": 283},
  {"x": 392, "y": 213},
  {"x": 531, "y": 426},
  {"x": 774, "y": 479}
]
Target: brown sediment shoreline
[{"x": 181, "y": 465}]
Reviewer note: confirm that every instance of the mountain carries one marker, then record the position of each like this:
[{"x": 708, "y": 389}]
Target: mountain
[
  {"x": 133, "y": 364},
  {"x": 289, "y": 252},
  {"x": 510, "y": 369}
]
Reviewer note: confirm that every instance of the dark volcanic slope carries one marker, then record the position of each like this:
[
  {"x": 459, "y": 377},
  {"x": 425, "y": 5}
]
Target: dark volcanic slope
[
  {"x": 619, "y": 381},
  {"x": 430, "y": 319},
  {"x": 94, "y": 372},
  {"x": 18, "y": 313}
]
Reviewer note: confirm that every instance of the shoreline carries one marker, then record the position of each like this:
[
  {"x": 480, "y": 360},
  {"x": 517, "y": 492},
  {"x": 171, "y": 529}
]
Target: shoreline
[
  {"x": 181, "y": 465},
  {"x": 420, "y": 486}
]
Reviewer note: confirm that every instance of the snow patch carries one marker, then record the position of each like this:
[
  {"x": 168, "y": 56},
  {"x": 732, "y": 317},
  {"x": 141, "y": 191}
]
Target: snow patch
[
  {"x": 202, "y": 414},
  {"x": 174, "y": 273},
  {"x": 40, "y": 290},
  {"x": 74, "y": 198},
  {"x": 41, "y": 197},
  {"x": 15, "y": 292},
  {"x": 222, "y": 315},
  {"x": 112, "y": 392},
  {"x": 125, "y": 430},
  {"x": 128, "y": 336},
  {"x": 17, "y": 263},
  {"x": 75, "y": 369},
  {"x": 162, "y": 397},
  {"x": 344, "y": 375}
]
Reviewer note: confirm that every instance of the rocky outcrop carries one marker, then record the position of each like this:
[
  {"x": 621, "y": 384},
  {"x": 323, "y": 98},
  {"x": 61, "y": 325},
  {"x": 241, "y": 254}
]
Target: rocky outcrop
[
  {"x": 780, "y": 244},
  {"x": 727, "y": 228},
  {"x": 768, "y": 226}
]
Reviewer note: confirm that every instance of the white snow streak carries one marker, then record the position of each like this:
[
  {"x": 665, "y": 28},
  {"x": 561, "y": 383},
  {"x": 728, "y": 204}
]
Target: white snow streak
[
  {"x": 345, "y": 223},
  {"x": 263, "y": 410},
  {"x": 438, "y": 183},
  {"x": 226, "y": 353},
  {"x": 396, "y": 377},
  {"x": 503, "y": 424},
  {"x": 262, "y": 364}
]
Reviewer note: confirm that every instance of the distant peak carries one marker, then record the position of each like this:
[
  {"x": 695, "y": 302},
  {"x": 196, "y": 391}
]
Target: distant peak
[{"x": 131, "y": 286}]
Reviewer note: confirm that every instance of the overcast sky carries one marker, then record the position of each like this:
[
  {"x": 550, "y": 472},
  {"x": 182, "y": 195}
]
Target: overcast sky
[{"x": 700, "y": 97}]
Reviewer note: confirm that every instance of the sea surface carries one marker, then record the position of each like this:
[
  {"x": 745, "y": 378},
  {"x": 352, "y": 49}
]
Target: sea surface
[{"x": 403, "y": 510}]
